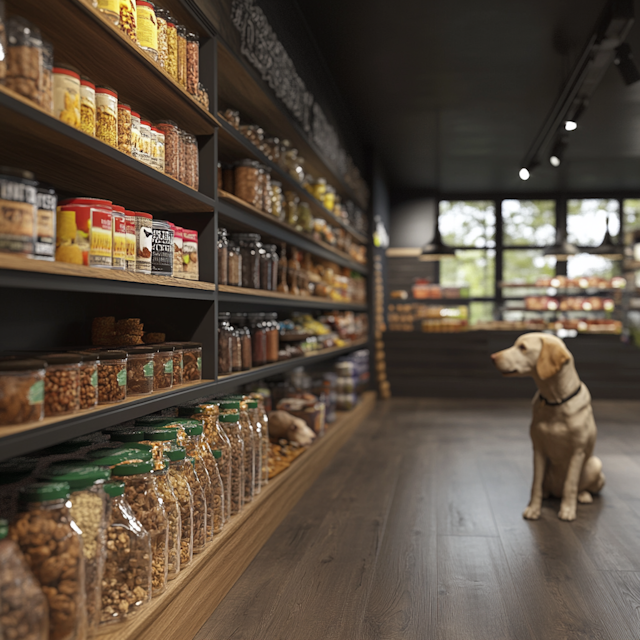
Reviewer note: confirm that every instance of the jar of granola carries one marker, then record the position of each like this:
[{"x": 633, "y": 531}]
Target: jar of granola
[
  {"x": 172, "y": 48},
  {"x": 24, "y": 605},
  {"x": 126, "y": 582},
  {"x": 89, "y": 512},
  {"x": 141, "y": 494},
  {"x": 45, "y": 522},
  {"x": 172, "y": 509},
  {"x": 193, "y": 63},
  {"x": 171, "y": 147},
  {"x": 107, "y": 115},
  {"x": 161, "y": 18},
  {"x": 21, "y": 391},
  {"x": 147, "y": 27},
  {"x": 87, "y": 106},
  {"x": 124, "y": 128},
  {"x": 61, "y": 383},
  {"x": 193, "y": 523},
  {"x": 182, "y": 55},
  {"x": 140, "y": 370}
]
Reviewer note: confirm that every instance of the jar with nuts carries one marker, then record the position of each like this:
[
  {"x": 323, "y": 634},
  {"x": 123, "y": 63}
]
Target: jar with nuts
[
  {"x": 24, "y": 605},
  {"x": 191, "y": 361},
  {"x": 171, "y": 64},
  {"x": 174, "y": 521},
  {"x": 163, "y": 367},
  {"x": 160, "y": 434},
  {"x": 262, "y": 451},
  {"x": 51, "y": 544},
  {"x": 251, "y": 454},
  {"x": 217, "y": 439},
  {"x": 198, "y": 480},
  {"x": 126, "y": 582},
  {"x": 88, "y": 390},
  {"x": 263, "y": 418},
  {"x": 89, "y": 512},
  {"x": 230, "y": 422},
  {"x": 193, "y": 63},
  {"x": 142, "y": 495},
  {"x": 140, "y": 370},
  {"x": 171, "y": 147},
  {"x": 192, "y": 516},
  {"x": 61, "y": 383},
  {"x": 112, "y": 376},
  {"x": 21, "y": 391},
  {"x": 178, "y": 353},
  {"x": 110, "y": 458}
]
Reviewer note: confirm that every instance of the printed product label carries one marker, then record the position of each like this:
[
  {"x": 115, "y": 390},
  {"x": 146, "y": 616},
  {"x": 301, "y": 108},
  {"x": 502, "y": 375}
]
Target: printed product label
[
  {"x": 145, "y": 245},
  {"x": 66, "y": 99},
  {"x": 88, "y": 109},
  {"x": 136, "y": 150},
  {"x": 119, "y": 242},
  {"x": 111, "y": 6},
  {"x": 17, "y": 226},
  {"x": 147, "y": 27},
  {"x": 177, "y": 255},
  {"x": 162, "y": 254},
  {"x": 122, "y": 377},
  {"x": 148, "y": 370},
  {"x": 36, "y": 392},
  {"x": 94, "y": 379},
  {"x": 199, "y": 364},
  {"x": 168, "y": 366},
  {"x": 190, "y": 256},
  {"x": 101, "y": 238},
  {"x": 45, "y": 226}
]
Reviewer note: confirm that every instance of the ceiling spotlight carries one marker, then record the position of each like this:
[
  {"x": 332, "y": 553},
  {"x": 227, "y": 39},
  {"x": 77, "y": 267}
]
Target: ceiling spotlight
[
  {"x": 524, "y": 174},
  {"x": 555, "y": 159},
  {"x": 626, "y": 65},
  {"x": 570, "y": 125},
  {"x": 608, "y": 248}
]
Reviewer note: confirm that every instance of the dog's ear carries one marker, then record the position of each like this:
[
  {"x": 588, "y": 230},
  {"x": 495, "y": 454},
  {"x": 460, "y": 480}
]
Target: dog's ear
[{"x": 553, "y": 355}]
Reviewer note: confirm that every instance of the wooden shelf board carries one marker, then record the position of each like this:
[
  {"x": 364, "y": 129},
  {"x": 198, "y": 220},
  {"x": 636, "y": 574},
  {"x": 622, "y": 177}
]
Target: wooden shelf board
[
  {"x": 84, "y": 278},
  {"x": 193, "y": 596},
  {"x": 234, "y": 146},
  {"x": 74, "y": 162},
  {"x": 279, "y": 224},
  {"x": 107, "y": 55}
]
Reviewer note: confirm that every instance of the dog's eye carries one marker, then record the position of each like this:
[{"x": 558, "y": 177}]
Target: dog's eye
[{"x": 522, "y": 347}]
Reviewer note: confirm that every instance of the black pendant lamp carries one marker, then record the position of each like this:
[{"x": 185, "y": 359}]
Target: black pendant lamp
[
  {"x": 561, "y": 249},
  {"x": 608, "y": 249},
  {"x": 436, "y": 250}
]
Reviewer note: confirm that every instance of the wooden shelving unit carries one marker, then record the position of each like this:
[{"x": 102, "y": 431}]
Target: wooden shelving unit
[{"x": 193, "y": 595}]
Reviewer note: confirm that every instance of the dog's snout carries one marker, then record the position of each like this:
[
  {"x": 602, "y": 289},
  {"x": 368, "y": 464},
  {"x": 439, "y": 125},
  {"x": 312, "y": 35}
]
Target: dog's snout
[{"x": 494, "y": 356}]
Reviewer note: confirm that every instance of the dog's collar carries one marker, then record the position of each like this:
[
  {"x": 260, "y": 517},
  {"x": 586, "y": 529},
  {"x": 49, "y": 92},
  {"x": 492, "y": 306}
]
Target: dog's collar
[{"x": 556, "y": 404}]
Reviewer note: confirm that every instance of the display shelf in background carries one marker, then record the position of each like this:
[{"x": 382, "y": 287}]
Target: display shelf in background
[
  {"x": 72, "y": 161},
  {"x": 22, "y": 273},
  {"x": 240, "y": 295},
  {"x": 234, "y": 146},
  {"x": 237, "y": 211},
  {"x": 193, "y": 596},
  {"x": 17, "y": 440},
  {"x": 83, "y": 36}
]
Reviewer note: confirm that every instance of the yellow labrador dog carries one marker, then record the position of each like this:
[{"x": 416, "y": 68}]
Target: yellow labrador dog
[{"x": 563, "y": 429}]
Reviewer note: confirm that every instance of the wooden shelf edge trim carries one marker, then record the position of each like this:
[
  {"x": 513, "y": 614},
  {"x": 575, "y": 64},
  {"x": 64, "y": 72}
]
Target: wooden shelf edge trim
[
  {"x": 195, "y": 594},
  {"x": 299, "y": 301}
]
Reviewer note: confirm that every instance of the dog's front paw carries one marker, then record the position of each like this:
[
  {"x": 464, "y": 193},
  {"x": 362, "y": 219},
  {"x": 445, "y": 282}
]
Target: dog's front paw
[
  {"x": 531, "y": 513},
  {"x": 567, "y": 512}
]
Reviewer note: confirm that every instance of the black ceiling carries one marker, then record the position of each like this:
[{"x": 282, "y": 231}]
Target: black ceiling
[{"x": 452, "y": 94}]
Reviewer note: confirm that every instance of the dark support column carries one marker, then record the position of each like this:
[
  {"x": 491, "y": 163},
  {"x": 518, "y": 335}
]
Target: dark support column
[
  {"x": 561, "y": 225},
  {"x": 497, "y": 308}
]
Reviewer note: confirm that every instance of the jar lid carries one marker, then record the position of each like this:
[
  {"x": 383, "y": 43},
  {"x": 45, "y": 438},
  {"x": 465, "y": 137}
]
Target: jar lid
[
  {"x": 176, "y": 454},
  {"x": 161, "y": 435},
  {"x": 136, "y": 351},
  {"x": 135, "y": 114},
  {"x": 164, "y": 347},
  {"x": 77, "y": 475},
  {"x": 61, "y": 358},
  {"x": 118, "y": 208},
  {"x": 229, "y": 417},
  {"x": 114, "y": 489},
  {"x": 142, "y": 214},
  {"x": 87, "y": 82},
  {"x": 4, "y": 528},
  {"x": 131, "y": 469},
  {"x": 87, "y": 356},
  {"x": 66, "y": 70},
  {"x": 112, "y": 354},
  {"x": 113, "y": 457},
  {"x": 252, "y": 404},
  {"x": 101, "y": 88},
  {"x": 125, "y": 435},
  {"x": 182, "y": 30},
  {"x": 85, "y": 200},
  {"x": 146, "y": 123},
  {"x": 169, "y": 122},
  {"x": 10, "y": 172},
  {"x": 145, "y": 3},
  {"x": 126, "y": 107},
  {"x": 44, "y": 491},
  {"x": 22, "y": 365},
  {"x": 193, "y": 430},
  {"x": 229, "y": 404}
]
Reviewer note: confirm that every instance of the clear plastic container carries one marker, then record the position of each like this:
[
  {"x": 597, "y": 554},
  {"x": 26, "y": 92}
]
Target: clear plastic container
[
  {"x": 246, "y": 180},
  {"x": 249, "y": 248},
  {"x": 193, "y": 63},
  {"x": 192, "y": 159},
  {"x": 235, "y": 265},
  {"x": 87, "y": 106},
  {"x": 223, "y": 256},
  {"x": 171, "y": 147},
  {"x": 178, "y": 354},
  {"x": 172, "y": 48},
  {"x": 277, "y": 199},
  {"x": 266, "y": 268},
  {"x": 192, "y": 517},
  {"x": 45, "y": 522},
  {"x": 124, "y": 128},
  {"x": 112, "y": 376},
  {"x": 201, "y": 489},
  {"x": 236, "y": 348},
  {"x": 88, "y": 389},
  {"x": 263, "y": 418},
  {"x": 126, "y": 582},
  {"x": 140, "y": 370},
  {"x": 191, "y": 361},
  {"x": 261, "y": 429},
  {"x": 158, "y": 436},
  {"x": 217, "y": 439},
  {"x": 21, "y": 391},
  {"x": 89, "y": 512},
  {"x": 265, "y": 189},
  {"x": 147, "y": 27},
  {"x": 230, "y": 422},
  {"x": 161, "y": 18},
  {"x": 163, "y": 367},
  {"x": 61, "y": 382},
  {"x": 225, "y": 344},
  {"x": 182, "y": 55},
  {"x": 252, "y": 455},
  {"x": 141, "y": 494},
  {"x": 258, "y": 339},
  {"x": 273, "y": 336},
  {"x": 23, "y": 604},
  {"x": 46, "y": 95},
  {"x": 172, "y": 509},
  {"x": 24, "y": 59}
]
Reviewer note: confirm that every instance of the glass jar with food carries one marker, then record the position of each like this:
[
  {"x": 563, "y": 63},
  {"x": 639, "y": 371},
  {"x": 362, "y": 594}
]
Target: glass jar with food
[
  {"x": 88, "y": 376},
  {"x": 192, "y": 361},
  {"x": 235, "y": 265},
  {"x": 182, "y": 55},
  {"x": 19, "y": 190},
  {"x": 191, "y": 502},
  {"x": 87, "y": 106},
  {"x": 262, "y": 451},
  {"x": 225, "y": 343},
  {"x": 161, "y": 18},
  {"x": 140, "y": 370},
  {"x": 223, "y": 256},
  {"x": 246, "y": 175},
  {"x": 261, "y": 416},
  {"x": 107, "y": 115},
  {"x": 61, "y": 382},
  {"x": 273, "y": 337},
  {"x": 172, "y": 48},
  {"x": 277, "y": 199},
  {"x": 264, "y": 180},
  {"x": 251, "y": 453},
  {"x": 136, "y": 140},
  {"x": 24, "y": 59},
  {"x": 291, "y": 208},
  {"x": 193, "y": 63},
  {"x": 128, "y": 19},
  {"x": 174, "y": 521},
  {"x": 171, "y": 147},
  {"x": 89, "y": 512},
  {"x": 124, "y": 128},
  {"x": 112, "y": 376},
  {"x": 249, "y": 249},
  {"x": 258, "y": 339},
  {"x": 128, "y": 564},
  {"x": 305, "y": 218},
  {"x": 178, "y": 353},
  {"x": 147, "y": 27},
  {"x": 160, "y": 148},
  {"x": 236, "y": 348},
  {"x": 159, "y": 436},
  {"x": 21, "y": 391},
  {"x": 266, "y": 268},
  {"x": 329, "y": 198},
  {"x": 230, "y": 422},
  {"x": 24, "y": 605},
  {"x": 145, "y": 142},
  {"x": 46, "y": 95},
  {"x": 66, "y": 95},
  {"x": 141, "y": 494},
  {"x": 45, "y": 522}
]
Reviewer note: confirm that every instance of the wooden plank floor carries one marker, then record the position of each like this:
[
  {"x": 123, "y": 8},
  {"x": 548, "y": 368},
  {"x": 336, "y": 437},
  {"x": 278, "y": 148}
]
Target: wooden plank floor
[{"x": 415, "y": 532}]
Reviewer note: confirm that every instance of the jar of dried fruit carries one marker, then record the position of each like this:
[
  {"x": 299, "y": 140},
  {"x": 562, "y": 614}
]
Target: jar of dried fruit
[
  {"x": 128, "y": 564},
  {"x": 45, "y": 522},
  {"x": 24, "y": 605},
  {"x": 21, "y": 391},
  {"x": 141, "y": 494}
]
